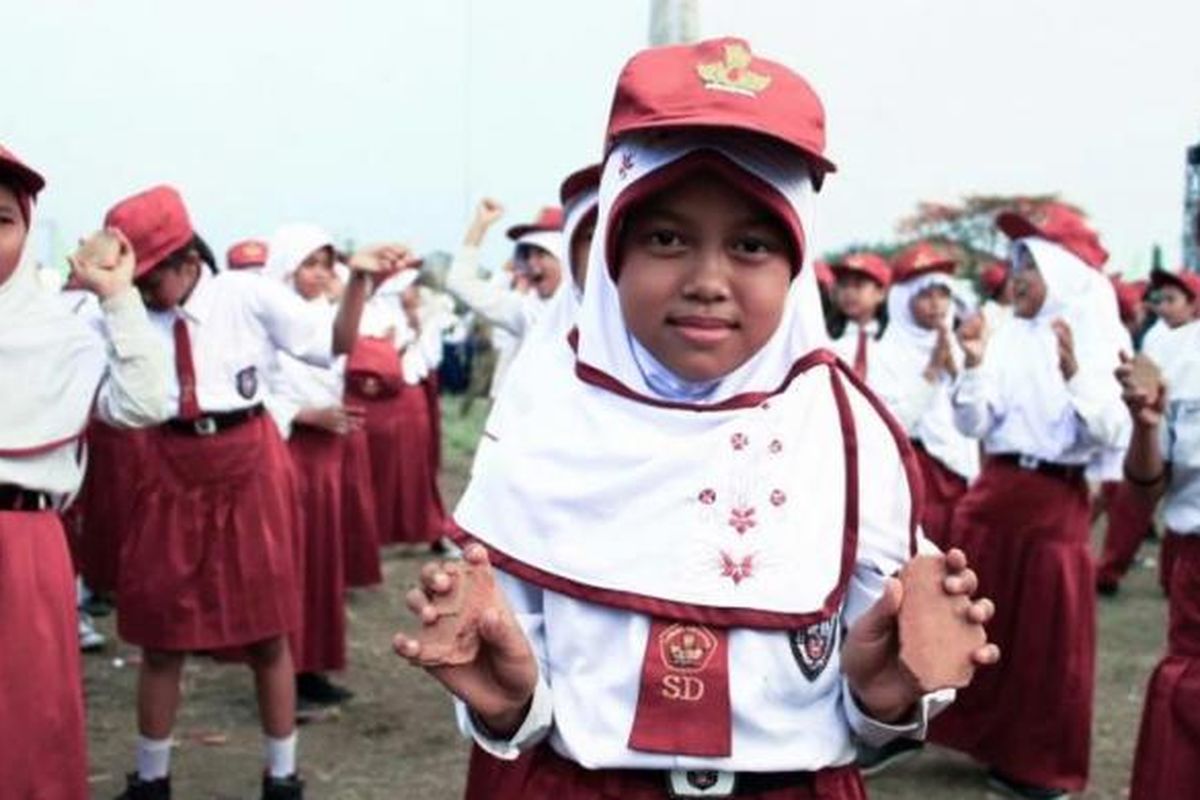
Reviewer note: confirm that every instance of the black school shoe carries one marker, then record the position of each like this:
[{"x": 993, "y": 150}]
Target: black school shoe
[
  {"x": 289, "y": 788},
  {"x": 314, "y": 688},
  {"x": 138, "y": 789},
  {"x": 1026, "y": 791}
]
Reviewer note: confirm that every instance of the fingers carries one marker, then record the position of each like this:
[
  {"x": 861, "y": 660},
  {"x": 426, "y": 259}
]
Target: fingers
[
  {"x": 476, "y": 553},
  {"x": 987, "y": 655},
  {"x": 879, "y": 621},
  {"x": 406, "y": 647},
  {"x": 963, "y": 582},
  {"x": 418, "y": 603},
  {"x": 981, "y": 611},
  {"x": 956, "y": 559}
]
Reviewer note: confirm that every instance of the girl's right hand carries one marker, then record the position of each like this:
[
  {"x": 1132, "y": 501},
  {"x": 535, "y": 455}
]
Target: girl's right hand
[
  {"x": 498, "y": 685},
  {"x": 972, "y": 337}
]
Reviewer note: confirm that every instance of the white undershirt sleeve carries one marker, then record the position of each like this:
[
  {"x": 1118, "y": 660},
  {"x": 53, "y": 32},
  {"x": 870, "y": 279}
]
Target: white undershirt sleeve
[{"x": 134, "y": 391}]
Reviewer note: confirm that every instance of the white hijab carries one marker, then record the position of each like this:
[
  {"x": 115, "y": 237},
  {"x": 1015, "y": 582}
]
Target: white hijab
[
  {"x": 907, "y": 341},
  {"x": 53, "y": 361},
  {"x": 290, "y": 245},
  {"x": 559, "y": 315},
  {"x": 739, "y": 511}
]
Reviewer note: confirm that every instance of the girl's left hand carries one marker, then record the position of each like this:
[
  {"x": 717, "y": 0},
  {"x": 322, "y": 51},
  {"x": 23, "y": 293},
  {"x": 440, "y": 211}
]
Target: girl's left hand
[
  {"x": 871, "y": 657},
  {"x": 108, "y": 276},
  {"x": 383, "y": 260}
]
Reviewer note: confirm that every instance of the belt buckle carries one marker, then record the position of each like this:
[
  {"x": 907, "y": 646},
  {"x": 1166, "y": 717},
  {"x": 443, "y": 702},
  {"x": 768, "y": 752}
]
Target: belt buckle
[
  {"x": 1028, "y": 462},
  {"x": 700, "y": 783},
  {"x": 204, "y": 426}
]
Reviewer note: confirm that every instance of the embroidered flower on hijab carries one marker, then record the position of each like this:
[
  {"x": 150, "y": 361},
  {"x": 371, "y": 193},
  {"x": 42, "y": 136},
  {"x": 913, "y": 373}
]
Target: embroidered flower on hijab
[
  {"x": 776, "y": 447},
  {"x": 737, "y": 571},
  {"x": 626, "y": 165},
  {"x": 778, "y": 497},
  {"x": 707, "y": 497},
  {"x": 739, "y": 441},
  {"x": 741, "y": 519}
]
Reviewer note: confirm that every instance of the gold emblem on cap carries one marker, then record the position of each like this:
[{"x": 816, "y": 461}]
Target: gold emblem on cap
[{"x": 734, "y": 73}]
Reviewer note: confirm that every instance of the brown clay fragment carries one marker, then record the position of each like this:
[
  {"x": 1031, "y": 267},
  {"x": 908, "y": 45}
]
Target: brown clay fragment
[
  {"x": 1145, "y": 375},
  {"x": 101, "y": 249},
  {"x": 454, "y": 639},
  {"x": 936, "y": 638}
]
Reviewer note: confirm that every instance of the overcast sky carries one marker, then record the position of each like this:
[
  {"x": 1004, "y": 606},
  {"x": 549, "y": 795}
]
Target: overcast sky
[{"x": 389, "y": 119}]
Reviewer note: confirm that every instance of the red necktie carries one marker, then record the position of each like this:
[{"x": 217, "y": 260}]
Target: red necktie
[
  {"x": 185, "y": 371},
  {"x": 860, "y": 355}
]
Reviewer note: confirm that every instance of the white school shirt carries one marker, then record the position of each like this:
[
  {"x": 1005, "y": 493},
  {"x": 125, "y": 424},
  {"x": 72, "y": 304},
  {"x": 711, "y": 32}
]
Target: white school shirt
[
  {"x": 130, "y": 394},
  {"x": 1092, "y": 420},
  {"x": 1179, "y": 438},
  {"x": 585, "y": 699},
  {"x": 846, "y": 345},
  {"x": 925, "y": 410},
  {"x": 235, "y": 323},
  {"x": 294, "y": 385}
]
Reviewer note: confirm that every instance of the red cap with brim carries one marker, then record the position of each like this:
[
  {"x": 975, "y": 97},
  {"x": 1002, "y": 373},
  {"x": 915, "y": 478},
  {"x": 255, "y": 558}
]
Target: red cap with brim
[
  {"x": 1129, "y": 297},
  {"x": 921, "y": 258},
  {"x": 1188, "y": 282},
  {"x": 579, "y": 182},
  {"x": 823, "y": 274},
  {"x": 549, "y": 218},
  {"x": 155, "y": 222},
  {"x": 1056, "y": 223},
  {"x": 869, "y": 264},
  {"x": 247, "y": 255},
  {"x": 718, "y": 83},
  {"x": 27, "y": 182},
  {"x": 992, "y": 278}
]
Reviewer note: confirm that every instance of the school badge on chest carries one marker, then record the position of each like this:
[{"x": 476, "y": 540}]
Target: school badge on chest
[
  {"x": 813, "y": 646},
  {"x": 247, "y": 382}
]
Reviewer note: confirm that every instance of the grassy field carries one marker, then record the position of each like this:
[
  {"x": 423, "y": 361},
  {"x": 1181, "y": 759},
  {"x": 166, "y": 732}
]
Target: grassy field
[{"x": 397, "y": 740}]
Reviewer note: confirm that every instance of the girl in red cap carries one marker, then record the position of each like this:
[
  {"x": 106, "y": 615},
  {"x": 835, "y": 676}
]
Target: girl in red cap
[
  {"x": 860, "y": 289},
  {"x": 60, "y": 373},
  {"x": 693, "y": 604},
  {"x": 915, "y": 371},
  {"x": 1164, "y": 462},
  {"x": 209, "y": 563},
  {"x": 1040, "y": 395}
]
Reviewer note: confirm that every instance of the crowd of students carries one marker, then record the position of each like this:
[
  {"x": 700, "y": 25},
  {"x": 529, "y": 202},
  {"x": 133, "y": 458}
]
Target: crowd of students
[{"x": 709, "y": 455}]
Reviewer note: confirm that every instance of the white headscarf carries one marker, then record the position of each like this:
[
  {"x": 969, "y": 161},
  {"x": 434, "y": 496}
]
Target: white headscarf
[
  {"x": 290, "y": 245},
  {"x": 54, "y": 365},
  {"x": 559, "y": 315},
  {"x": 731, "y": 512}
]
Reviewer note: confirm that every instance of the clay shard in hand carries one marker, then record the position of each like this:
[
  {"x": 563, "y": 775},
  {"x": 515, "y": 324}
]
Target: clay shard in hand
[
  {"x": 1145, "y": 375},
  {"x": 937, "y": 639},
  {"x": 101, "y": 250},
  {"x": 454, "y": 639}
]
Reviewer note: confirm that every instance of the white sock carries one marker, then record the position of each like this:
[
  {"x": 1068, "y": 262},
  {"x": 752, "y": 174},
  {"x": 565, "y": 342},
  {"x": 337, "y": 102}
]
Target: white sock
[
  {"x": 153, "y": 758},
  {"x": 281, "y": 756}
]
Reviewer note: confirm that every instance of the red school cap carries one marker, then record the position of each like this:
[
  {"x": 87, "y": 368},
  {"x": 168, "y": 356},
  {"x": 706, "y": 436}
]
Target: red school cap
[
  {"x": 578, "y": 182},
  {"x": 871, "y": 265},
  {"x": 1187, "y": 281},
  {"x": 26, "y": 181},
  {"x": 549, "y": 218},
  {"x": 247, "y": 254},
  {"x": 920, "y": 258},
  {"x": 992, "y": 278},
  {"x": 719, "y": 83},
  {"x": 155, "y": 222},
  {"x": 1058, "y": 223}
]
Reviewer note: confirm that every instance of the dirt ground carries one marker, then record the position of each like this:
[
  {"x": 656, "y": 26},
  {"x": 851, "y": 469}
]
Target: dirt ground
[{"x": 397, "y": 740}]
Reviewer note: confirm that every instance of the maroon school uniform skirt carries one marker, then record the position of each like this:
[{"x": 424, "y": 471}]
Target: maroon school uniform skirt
[
  {"x": 1130, "y": 514},
  {"x": 360, "y": 535},
  {"x": 1026, "y": 535},
  {"x": 208, "y": 562},
  {"x": 317, "y": 458},
  {"x": 944, "y": 488},
  {"x": 399, "y": 433},
  {"x": 103, "y": 510},
  {"x": 548, "y": 776},
  {"x": 1167, "y": 763},
  {"x": 43, "y": 747}
]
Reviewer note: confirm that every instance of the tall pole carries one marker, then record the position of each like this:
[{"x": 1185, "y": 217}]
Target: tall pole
[{"x": 674, "y": 21}]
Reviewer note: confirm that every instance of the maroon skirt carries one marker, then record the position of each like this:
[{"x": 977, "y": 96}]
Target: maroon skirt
[
  {"x": 321, "y": 643},
  {"x": 43, "y": 746},
  {"x": 944, "y": 488},
  {"x": 1167, "y": 763},
  {"x": 544, "y": 775},
  {"x": 400, "y": 437},
  {"x": 360, "y": 535},
  {"x": 1130, "y": 514},
  {"x": 1026, "y": 535},
  {"x": 103, "y": 510},
  {"x": 209, "y": 561}
]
